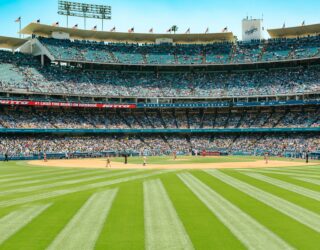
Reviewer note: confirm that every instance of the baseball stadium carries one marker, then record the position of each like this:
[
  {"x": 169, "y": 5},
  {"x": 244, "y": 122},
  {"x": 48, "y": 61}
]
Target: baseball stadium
[{"x": 157, "y": 140}]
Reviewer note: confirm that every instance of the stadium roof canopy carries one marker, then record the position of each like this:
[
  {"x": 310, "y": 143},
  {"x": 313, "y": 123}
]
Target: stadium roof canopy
[
  {"x": 292, "y": 32},
  {"x": 81, "y": 34},
  {"x": 11, "y": 42}
]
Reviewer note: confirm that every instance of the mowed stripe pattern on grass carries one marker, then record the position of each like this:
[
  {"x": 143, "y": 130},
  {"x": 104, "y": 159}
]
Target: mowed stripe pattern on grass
[
  {"x": 64, "y": 183},
  {"x": 163, "y": 228},
  {"x": 57, "y": 193},
  {"x": 16, "y": 220},
  {"x": 31, "y": 197},
  {"x": 40, "y": 180},
  {"x": 31, "y": 176},
  {"x": 252, "y": 234},
  {"x": 84, "y": 228},
  {"x": 281, "y": 172},
  {"x": 292, "y": 210},
  {"x": 286, "y": 185},
  {"x": 47, "y": 178},
  {"x": 312, "y": 181}
]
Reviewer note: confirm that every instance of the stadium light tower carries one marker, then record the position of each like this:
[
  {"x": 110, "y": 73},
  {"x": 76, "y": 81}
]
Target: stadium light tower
[{"x": 84, "y": 10}]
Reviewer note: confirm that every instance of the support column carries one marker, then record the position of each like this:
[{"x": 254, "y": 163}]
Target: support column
[{"x": 42, "y": 60}]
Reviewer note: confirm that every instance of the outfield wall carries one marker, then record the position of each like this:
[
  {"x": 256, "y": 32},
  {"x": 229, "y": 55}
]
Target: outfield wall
[{"x": 297, "y": 155}]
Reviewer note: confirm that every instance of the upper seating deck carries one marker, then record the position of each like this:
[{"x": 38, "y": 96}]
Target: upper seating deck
[
  {"x": 24, "y": 73},
  {"x": 271, "y": 50}
]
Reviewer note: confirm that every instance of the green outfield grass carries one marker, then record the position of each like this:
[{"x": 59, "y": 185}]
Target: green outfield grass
[
  {"x": 59, "y": 208},
  {"x": 164, "y": 160}
]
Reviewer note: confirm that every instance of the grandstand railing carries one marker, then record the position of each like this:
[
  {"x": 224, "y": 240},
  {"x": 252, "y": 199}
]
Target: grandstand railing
[
  {"x": 191, "y": 65},
  {"x": 145, "y": 101},
  {"x": 156, "y": 131}
]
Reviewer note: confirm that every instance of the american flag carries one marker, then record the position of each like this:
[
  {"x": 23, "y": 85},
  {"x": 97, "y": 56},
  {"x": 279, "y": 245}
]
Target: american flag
[
  {"x": 18, "y": 20},
  {"x": 75, "y": 26},
  {"x": 207, "y": 30},
  {"x": 188, "y": 31},
  {"x": 56, "y": 24},
  {"x": 151, "y": 30},
  {"x": 169, "y": 30},
  {"x": 131, "y": 30},
  {"x": 113, "y": 29},
  {"x": 225, "y": 29},
  {"x": 38, "y": 21},
  {"x": 94, "y": 28}
]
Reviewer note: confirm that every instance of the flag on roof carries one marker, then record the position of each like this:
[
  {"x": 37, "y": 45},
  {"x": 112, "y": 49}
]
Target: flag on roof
[
  {"x": 131, "y": 30},
  {"x": 94, "y": 28},
  {"x": 207, "y": 30},
  {"x": 174, "y": 28},
  {"x": 75, "y": 26},
  {"x": 38, "y": 21},
  {"x": 55, "y": 24},
  {"x": 113, "y": 29},
  {"x": 169, "y": 30},
  {"x": 151, "y": 30},
  {"x": 188, "y": 31},
  {"x": 18, "y": 19},
  {"x": 303, "y": 23},
  {"x": 225, "y": 29}
]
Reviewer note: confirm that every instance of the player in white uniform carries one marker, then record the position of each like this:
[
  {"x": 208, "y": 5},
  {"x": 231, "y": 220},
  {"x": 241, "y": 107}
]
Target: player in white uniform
[
  {"x": 144, "y": 160},
  {"x": 108, "y": 164}
]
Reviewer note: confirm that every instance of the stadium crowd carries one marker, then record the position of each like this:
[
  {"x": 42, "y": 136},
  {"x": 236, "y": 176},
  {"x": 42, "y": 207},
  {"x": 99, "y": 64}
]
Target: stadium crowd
[
  {"x": 25, "y": 117},
  {"x": 258, "y": 144},
  {"x": 23, "y": 73},
  {"x": 216, "y": 53}
]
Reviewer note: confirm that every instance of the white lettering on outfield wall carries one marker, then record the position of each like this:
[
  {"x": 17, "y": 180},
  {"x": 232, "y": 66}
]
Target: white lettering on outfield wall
[{"x": 66, "y": 104}]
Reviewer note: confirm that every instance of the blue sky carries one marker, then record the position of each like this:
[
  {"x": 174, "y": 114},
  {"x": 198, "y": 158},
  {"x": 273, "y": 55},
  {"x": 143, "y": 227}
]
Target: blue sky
[{"x": 143, "y": 14}]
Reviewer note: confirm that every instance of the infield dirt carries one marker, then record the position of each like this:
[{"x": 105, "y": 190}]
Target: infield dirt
[{"x": 101, "y": 163}]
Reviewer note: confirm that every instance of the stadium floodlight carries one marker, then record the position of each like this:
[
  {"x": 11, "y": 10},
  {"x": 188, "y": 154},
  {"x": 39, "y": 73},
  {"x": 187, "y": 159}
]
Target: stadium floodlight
[{"x": 84, "y": 10}]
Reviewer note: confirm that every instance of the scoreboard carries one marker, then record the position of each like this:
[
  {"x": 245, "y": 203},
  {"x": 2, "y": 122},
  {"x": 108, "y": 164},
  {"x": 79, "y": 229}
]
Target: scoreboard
[{"x": 252, "y": 29}]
